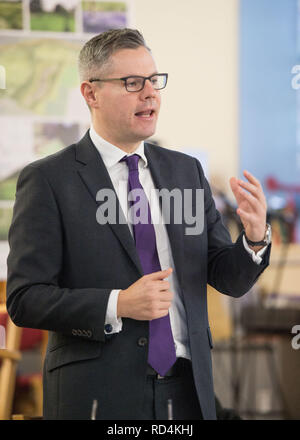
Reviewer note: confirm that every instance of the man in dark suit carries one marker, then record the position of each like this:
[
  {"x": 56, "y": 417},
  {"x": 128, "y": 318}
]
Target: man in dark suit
[{"x": 125, "y": 301}]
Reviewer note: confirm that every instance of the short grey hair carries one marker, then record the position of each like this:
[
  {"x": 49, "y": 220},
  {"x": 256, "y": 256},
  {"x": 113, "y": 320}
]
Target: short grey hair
[{"x": 95, "y": 54}]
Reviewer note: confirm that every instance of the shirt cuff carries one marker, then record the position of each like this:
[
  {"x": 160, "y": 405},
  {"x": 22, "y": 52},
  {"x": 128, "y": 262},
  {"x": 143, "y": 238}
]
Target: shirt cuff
[
  {"x": 256, "y": 257},
  {"x": 113, "y": 324}
]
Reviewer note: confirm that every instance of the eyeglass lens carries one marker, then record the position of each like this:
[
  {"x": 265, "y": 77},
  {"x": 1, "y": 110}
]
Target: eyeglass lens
[{"x": 135, "y": 83}]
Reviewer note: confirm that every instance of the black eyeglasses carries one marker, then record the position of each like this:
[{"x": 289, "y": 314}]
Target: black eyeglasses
[{"x": 137, "y": 83}]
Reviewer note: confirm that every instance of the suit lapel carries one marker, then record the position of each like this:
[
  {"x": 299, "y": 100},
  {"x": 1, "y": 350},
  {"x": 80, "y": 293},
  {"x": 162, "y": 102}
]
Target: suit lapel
[{"x": 95, "y": 176}]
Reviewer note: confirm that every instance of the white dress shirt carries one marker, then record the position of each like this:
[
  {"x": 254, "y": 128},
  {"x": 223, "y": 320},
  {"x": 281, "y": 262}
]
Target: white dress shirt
[{"x": 118, "y": 172}]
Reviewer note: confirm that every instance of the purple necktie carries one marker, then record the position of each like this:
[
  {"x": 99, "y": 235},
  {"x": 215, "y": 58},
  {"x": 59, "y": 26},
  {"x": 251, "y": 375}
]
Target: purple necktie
[{"x": 161, "y": 354}]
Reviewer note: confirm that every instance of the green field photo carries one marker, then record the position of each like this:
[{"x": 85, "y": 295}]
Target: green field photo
[
  {"x": 11, "y": 15},
  {"x": 60, "y": 19}
]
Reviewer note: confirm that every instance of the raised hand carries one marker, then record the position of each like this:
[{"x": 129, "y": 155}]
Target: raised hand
[{"x": 252, "y": 206}]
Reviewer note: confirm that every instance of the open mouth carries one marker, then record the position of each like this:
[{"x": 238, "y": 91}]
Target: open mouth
[{"x": 145, "y": 114}]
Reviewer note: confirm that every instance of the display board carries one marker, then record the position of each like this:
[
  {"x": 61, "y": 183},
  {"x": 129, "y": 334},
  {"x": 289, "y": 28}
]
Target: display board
[{"x": 41, "y": 109}]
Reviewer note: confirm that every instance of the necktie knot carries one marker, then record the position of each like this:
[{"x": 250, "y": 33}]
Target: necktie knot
[{"x": 132, "y": 161}]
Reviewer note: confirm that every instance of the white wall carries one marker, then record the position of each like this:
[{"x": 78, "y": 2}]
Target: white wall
[{"x": 196, "y": 42}]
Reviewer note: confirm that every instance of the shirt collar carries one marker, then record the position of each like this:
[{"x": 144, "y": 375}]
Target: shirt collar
[{"x": 112, "y": 154}]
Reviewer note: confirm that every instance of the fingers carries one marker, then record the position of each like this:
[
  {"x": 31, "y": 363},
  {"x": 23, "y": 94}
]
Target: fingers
[
  {"x": 251, "y": 178},
  {"x": 160, "y": 275},
  {"x": 156, "y": 281},
  {"x": 245, "y": 216},
  {"x": 158, "y": 314},
  {"x": 163, "y": 306},
  {"x": 250, "y": 191},
  {"x": 155, "y": 305},
  {"x": 255, "y": 200},
  {"x": 166, "y": 297},
  {"x": 233, "y": 183},
  {"x": 235, "y": 189},
  {"x": 253, "y": 186}
]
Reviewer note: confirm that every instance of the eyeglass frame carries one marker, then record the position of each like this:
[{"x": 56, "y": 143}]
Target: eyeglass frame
[{"x": 125, "y": 78}]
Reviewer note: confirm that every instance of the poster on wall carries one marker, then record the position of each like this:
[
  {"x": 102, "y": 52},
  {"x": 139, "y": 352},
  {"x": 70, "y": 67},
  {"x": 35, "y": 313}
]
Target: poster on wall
[{"x": 41, "y": 109}]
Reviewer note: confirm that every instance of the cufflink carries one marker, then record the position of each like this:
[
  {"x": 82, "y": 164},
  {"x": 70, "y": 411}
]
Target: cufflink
[{"x": 108, "y": 328}]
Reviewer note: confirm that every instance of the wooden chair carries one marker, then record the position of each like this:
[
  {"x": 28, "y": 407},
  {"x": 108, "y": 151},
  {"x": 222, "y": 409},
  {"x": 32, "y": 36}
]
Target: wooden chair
[
  {"x": 9, "y": 358},
  {"x": 18, "y": 341}
]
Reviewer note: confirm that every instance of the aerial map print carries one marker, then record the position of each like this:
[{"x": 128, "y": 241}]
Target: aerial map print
[{"x": 41, "y": 74}]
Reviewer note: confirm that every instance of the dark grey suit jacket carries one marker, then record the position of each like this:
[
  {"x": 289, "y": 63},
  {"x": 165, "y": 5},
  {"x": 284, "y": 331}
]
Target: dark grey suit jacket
[{"x": 63, "y": 264}]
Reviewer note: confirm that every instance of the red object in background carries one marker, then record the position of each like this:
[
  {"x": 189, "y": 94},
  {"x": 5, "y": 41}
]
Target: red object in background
[
  {"x": 273, "y": 184},
  {"x": 290, "y": 210},
  {"x": 30, "y": 337}
]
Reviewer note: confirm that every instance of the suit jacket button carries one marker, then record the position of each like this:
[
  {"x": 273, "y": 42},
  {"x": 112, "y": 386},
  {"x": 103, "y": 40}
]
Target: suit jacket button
[
  {"x": 142, "y": 341},
  {"x": 79, "y": 332},
  {"x": 74, "y": 332}
]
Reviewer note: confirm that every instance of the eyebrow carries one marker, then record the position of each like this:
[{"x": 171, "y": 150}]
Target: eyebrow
[{"x": 143, "y": 76}]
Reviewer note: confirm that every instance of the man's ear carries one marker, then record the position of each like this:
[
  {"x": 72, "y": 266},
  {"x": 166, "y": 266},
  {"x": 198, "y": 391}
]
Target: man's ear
[{"x": 88, "y": 91}]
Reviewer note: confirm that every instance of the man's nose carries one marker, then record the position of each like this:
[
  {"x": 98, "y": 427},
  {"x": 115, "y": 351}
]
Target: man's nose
[{"x": 148, "y": 90}]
